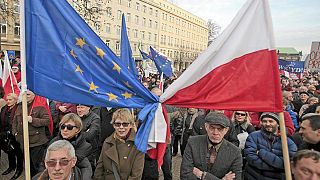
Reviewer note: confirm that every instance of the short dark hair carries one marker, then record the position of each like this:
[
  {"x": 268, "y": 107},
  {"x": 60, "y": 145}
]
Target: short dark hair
[
  {"x": 314, "y": 120},
  {"x": 315, "y": 155}
]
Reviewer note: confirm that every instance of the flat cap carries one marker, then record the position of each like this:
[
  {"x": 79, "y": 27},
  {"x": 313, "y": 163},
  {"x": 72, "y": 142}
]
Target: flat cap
[{"x": 217, "y": 118}]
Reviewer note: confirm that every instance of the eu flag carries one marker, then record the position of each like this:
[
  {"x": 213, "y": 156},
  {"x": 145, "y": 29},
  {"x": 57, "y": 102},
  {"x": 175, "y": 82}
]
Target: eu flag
[
  {"x": 126, "y": 52},
  {"x": 162, "y": 63},
  {"x": 144, "y": 55},
  {"x": 68, "y": 62}
]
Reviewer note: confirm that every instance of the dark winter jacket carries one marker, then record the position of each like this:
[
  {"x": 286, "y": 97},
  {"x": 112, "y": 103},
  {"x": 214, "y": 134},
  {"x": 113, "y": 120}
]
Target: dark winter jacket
[{"x": 263, "y": 151}]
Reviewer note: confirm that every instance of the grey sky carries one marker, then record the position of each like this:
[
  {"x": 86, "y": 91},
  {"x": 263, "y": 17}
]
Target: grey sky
[{"x": 296, "y": 22}]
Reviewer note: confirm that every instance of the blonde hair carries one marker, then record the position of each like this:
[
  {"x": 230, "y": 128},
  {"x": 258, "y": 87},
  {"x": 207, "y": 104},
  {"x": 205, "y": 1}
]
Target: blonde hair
[
  {"x": 123, "y": 114},
  {"x": 246, "y": 119},
  {"x": 74, "y": 118}
]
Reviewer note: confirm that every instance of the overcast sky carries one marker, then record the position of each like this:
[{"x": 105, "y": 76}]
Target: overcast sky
[{"x": 296, "y": 22}]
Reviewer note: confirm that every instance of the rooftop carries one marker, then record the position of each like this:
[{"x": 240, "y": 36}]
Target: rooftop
[{"x": 287, "y": 50}]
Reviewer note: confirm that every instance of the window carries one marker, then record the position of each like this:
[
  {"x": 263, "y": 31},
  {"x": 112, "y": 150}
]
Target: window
[
  {"x": 3, "y": 5},
  {"x": 150, "y": 36},
  {"x": 119, "y": 14},
  {"x": 151, "y": 11},
  {"x": 3, "y": 29},
  {"x": 150, "y": 23},
  {"x": 156, "y": 13},
  {"x": 135, "y": 47},
  {"x": 137, "y": 6},
  {"x": 16, "y": 6},
  {"x": 117, "y": 46},
  {"x": 129, "y": 3},
  {"x": 119, "y": 1},
  {"x": 144, "y": 21},
  {"x": 108, "y": 43},
  {"x": 17, "y": 30},
  {"x": 135, "y": 33},
  {"x": 142, "y": 34},
  {"x": 118, "y": 30},
  {"x": 156, "y": 25},
  {"x": 155, "y": 37},
  {"x": 128, "y": 32},
  {"x": 136, "y": 19},
  {"x": 97, "y": 26},
  {"x": 144, "y": 8},
  {"x": 128, "y": 17}
]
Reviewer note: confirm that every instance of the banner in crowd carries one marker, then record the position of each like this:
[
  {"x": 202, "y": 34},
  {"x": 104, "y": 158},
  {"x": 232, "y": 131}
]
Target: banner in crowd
[
  {"x": 291, "y": 69},
  {"x": 313, "y": 60}
]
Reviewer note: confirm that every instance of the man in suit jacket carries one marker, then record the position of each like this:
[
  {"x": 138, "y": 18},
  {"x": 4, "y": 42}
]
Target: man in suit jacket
[{"x": 211, "y": 156}]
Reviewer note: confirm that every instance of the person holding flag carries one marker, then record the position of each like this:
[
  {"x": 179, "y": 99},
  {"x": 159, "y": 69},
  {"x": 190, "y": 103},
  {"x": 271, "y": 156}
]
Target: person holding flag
[{"x": 38, "y": 119}]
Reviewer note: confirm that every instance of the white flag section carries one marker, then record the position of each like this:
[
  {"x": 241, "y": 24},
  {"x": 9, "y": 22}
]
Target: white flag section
[
  {"x": 243, "y": 53},
  {"x": 9, "y": 81},
  {"x": 158, "y": 129}
]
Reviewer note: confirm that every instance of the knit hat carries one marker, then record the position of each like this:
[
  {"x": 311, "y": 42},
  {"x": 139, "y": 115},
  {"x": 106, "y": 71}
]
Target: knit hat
[
  {"x": 304, "y": 93},
  {"x": 270, "y": 115}
]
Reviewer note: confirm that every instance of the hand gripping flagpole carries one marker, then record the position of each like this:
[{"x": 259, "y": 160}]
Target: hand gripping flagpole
[
  {"x": 285, "y": 150},
  {"x": 23, "y": 91}
]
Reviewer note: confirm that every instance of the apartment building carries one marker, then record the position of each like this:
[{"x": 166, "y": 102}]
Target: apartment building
[{"x": 178, "y": 34}]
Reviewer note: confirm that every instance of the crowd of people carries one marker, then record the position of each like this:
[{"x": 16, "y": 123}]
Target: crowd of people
[{"x": 90, "y": 142}]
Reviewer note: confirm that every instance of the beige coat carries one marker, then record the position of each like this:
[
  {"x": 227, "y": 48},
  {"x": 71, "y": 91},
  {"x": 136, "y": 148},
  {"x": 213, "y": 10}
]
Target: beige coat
[{"x": 128, "y": 160}]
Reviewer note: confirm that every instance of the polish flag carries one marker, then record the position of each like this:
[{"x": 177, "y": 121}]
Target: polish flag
[
  {"x": 239, "y": 71},
  {"x": 9, "y": 81},
  {"x": 161, "y": 82}
]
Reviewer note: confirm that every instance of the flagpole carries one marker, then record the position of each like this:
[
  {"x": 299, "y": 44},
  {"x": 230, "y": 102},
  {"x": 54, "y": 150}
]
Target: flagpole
[
  {"x": 285, "y": 150},
  {"x": 24, "y": 90}
]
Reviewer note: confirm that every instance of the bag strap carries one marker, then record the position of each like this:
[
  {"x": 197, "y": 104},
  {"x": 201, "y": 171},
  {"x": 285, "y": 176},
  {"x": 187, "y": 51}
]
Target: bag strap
[{"x": 115, "y": 171}]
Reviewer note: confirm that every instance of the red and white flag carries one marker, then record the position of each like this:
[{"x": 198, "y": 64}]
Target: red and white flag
[
  {"x": 239, "y": 71},
  {"x": 9, "y": 81}
]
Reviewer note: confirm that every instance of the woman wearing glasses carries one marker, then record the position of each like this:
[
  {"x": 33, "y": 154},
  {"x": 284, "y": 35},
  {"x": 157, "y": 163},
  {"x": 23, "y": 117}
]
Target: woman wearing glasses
[
  {"x": 119, "y": 158},
  {"x": 242, "y": 126},
  {"x": 71, "y": 130}
]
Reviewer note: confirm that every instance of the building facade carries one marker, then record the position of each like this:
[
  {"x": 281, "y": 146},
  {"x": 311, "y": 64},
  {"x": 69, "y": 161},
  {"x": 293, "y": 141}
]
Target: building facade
[{"x": 178, "y": 34}]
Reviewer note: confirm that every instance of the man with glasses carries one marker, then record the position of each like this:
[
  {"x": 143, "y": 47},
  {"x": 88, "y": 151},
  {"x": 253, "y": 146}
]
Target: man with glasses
[
  {"x": 60, "y": 161},
  {"x": 211, "y": 156}
]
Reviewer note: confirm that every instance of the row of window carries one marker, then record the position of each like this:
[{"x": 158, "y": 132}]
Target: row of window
[
  {"x": 135, "y": 47},
  {"x": 144, "y": 22},
  {"x": 175, "y": 42},
  {"x": 184, "y": 33},
  {"x": 4, "y": 29}
]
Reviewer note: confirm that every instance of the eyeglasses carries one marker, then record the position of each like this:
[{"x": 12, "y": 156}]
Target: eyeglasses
[
  {"x": 68, "y": 126},
  {"x": 118, "y": 124},
  {"x": 240, "y": 114},
  {"x": 62, "y": 162}
]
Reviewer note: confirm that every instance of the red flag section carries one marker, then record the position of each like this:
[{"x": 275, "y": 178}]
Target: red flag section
[
  {"x": 41, "y": 101},
  {"x": 239, "y": 71}
]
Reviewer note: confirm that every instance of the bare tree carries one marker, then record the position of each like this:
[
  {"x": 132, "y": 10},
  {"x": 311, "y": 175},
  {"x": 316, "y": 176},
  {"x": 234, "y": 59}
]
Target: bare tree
[{"x": 213, "y": 31}]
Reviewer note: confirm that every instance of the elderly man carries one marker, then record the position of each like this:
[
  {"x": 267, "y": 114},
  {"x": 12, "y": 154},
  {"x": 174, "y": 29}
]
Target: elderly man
[
  {"x": 306, "y": 165},
  {"x": 211, "y": 156},
  {"x": 310, "y": 132},
  {"x": 263, "y": 150},
  {"x": 60, "y": 163},
  {"x": 38, "y": 119},
  {"x": 91, "y": 131}
]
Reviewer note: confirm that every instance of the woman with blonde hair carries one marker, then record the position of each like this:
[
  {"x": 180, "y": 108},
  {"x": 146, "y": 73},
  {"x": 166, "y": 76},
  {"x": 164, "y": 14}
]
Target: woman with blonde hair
[
  {"x": 71, "y": 130},
  {"x": 242, "y": 125},
  {"x": 120, "y": 158}
]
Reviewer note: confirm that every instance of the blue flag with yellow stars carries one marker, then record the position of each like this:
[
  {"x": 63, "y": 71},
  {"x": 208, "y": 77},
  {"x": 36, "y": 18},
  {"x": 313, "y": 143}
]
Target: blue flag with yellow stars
[
  {"x": 68, "y": 62},
  {"x": 162, "y": 63}
]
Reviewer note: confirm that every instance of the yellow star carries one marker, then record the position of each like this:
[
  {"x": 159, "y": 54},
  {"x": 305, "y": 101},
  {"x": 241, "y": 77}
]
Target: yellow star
[
  {"x": 73, "y": 54},
  {"x": 78, "y": 69},
  {"x": 112, "y": 97},
  {"x": 116, "y": 67},
  {"x": 100, "y": 52},
  {"x": 93, "y": 87},
  {"x": 127, "y": 84},
  {"x": 127, "y": 95},
  {"x": 80, "y": 42}
]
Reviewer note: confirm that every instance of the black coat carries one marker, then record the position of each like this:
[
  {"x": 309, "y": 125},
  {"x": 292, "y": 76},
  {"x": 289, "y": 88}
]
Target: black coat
[
  {"x": 106, "y": 127},
  {"x": 92, "y": 129}
]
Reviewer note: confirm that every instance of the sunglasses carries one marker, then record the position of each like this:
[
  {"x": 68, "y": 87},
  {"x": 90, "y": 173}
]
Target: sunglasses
[
  {"x": 62, "y": 162},
  {"x": 118, "y": 124},
  {"x": 240, "y": 114},
  {"x": 68, "y": 126}
]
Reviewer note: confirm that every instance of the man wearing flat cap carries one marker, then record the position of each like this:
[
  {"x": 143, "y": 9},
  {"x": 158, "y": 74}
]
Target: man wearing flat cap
[
  {"x": 211, "y": 156},
  {"x": 263, "y": 150}
]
